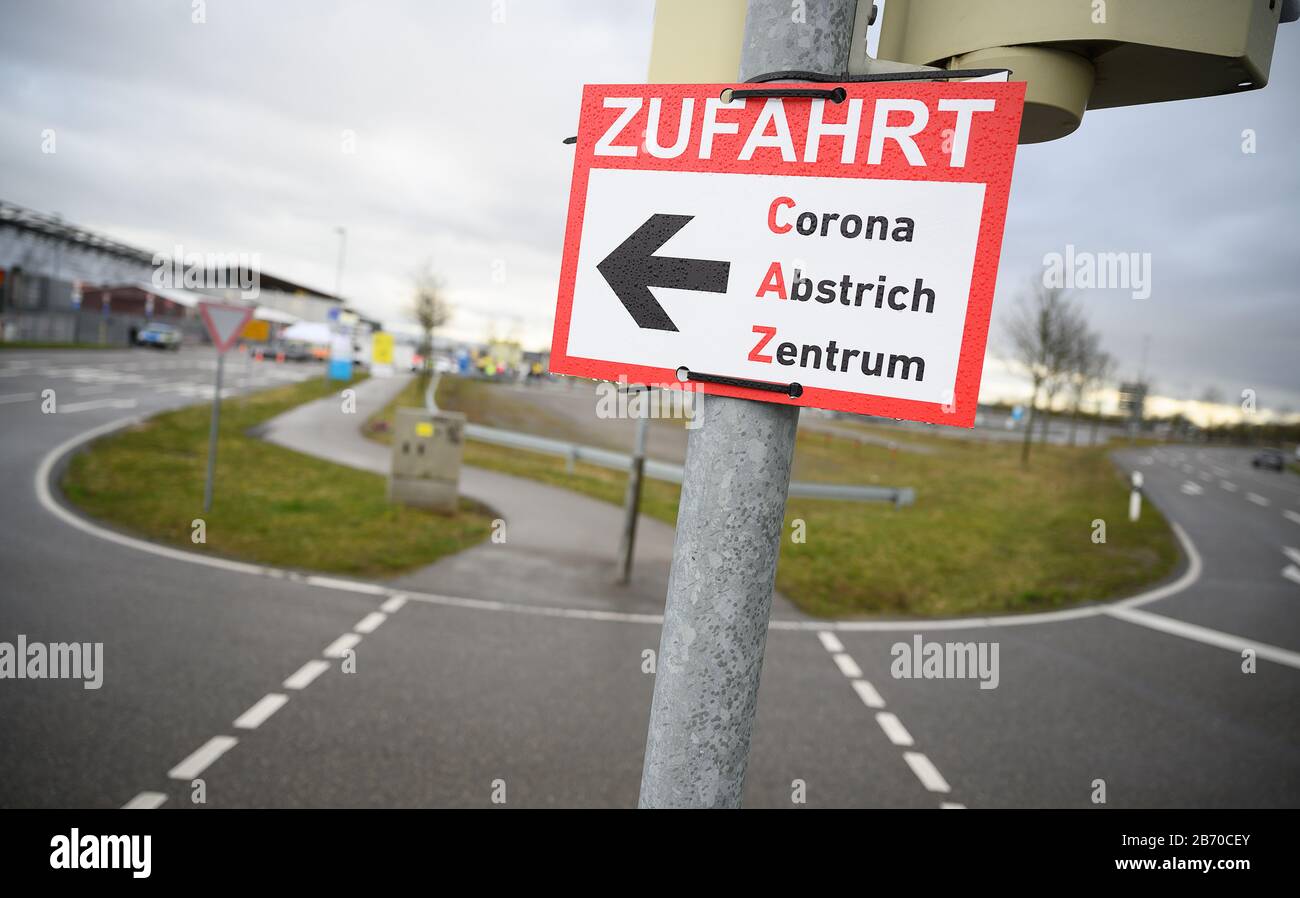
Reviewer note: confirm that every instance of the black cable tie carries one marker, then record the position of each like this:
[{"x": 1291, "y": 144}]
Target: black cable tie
[
  {"x": 846, "y": 78},
  {"x": 835, "y": 95},
  {"x": 793, "y": 390},
  {"x": 573, "y": 139}
]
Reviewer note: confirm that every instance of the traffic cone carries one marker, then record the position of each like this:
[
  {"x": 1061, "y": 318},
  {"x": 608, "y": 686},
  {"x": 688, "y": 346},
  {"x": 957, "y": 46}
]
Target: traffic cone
[
  {"x": 258, "y": 356},
  {"x": 279, "y": 357}
]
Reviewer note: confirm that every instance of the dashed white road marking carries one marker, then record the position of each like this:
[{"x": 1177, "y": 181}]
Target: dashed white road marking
[
  {"x": 1292, "y": 553},
  {"x": 255, "y": 716},
  {"x": 1292, "y": 516},
  {"x": 894, "y": 729},
  {"x": 830, "y": 642},
  {"x": 1191, "y": 489},
  {"x": 99, "y": 388},
  {"x": 870, "y": 697},
  {"x": 16, "y": 397},
  {"x": 1292, "y": 573},
  {"x": 952, "y": 806},
  {"x": 847, "y": 666},
  {"x": 1228, "y": 485},
  {"x": 199, "y": 761},
  {"x": 926, "y": 772},
  {"x": 306, "y": 674},
  {"x": 145, "y": 801},
  {"x": 341, "y": 646},
  {"x": 393, "y": 605},
  {"x": 1257, "y": 499},
  {"x": 370, "y": 622},
  {"x": 1205, "y": 475}
]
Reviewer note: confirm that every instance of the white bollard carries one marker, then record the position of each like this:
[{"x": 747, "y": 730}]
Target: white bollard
[{"x": 1135, "y": 497}]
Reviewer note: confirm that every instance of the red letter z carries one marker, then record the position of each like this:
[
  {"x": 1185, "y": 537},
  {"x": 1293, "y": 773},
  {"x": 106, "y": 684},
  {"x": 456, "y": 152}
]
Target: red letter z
[{"x": 768, "y": 333}]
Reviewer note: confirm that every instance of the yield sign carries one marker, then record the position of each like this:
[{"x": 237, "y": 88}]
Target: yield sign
[{"x": 224, "y": 322}]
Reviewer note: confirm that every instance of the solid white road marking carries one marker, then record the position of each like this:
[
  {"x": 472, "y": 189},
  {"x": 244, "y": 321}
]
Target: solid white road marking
[
  {"x": 370, "y": 622},
  {"x": 46, "y": 499},
  {"x": 74, "y": 407},
  {"x": 894, "y": 729},
  {"x": 393, "y": 605},
  {"x": 830, "y": 642},
  {"x": 870, "y": 697},
  {"x": 1292, "y": 516},
  {"x": 926, "y": 772},
  {"x": 198, "y": 762},
  {"x": 255, "y": 716},
  {"x": 1228, "y": 485},
  {"x": 341, "y": 646},
  {"x": 847, "y": 666},
  {"x": 306, "y": 674},
  {"x": 145, "y": 801},
  {"x": 1292, "y": 573},
  {"x": 1257, "y": 498},
  {"x": 16, "y": 397},
  {"x": 1205, "y": 634},
  {"x": 372, "y": 589}
]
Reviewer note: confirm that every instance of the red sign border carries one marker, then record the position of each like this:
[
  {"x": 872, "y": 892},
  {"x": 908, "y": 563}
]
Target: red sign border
[
  {"x": 1001, "y": 125},
  {"x": 212, "y": 331}
]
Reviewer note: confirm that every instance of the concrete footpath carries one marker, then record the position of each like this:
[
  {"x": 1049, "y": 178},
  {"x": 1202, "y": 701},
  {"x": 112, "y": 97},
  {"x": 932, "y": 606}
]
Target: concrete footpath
[{"x": 560, "y": 546}]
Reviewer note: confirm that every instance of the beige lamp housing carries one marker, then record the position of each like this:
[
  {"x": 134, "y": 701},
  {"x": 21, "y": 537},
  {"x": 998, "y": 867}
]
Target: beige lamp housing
[{"x": 1090, "y": 54}]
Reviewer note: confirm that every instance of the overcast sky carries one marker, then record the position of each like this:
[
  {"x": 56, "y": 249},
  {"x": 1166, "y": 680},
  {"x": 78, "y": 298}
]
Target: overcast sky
[{"x": 229, "y": 136}]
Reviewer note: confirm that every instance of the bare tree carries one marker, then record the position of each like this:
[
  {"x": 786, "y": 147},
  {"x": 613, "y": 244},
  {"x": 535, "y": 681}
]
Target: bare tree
[
  {"x": 1102, "y": 373},
  {"x": 1042, "y": 336},
  {"x": 430, "y": 307},
  {"x": 1087, "y": 357}
]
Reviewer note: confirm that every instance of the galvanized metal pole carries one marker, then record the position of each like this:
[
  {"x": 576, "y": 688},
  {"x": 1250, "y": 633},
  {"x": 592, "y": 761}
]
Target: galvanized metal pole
[
  {"x": 730, "y": 517},
  {"x": 212, "y": 435}
]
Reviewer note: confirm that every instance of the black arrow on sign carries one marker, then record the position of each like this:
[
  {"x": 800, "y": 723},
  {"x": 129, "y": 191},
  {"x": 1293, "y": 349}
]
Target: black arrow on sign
[{"x": 632, "y": 269}]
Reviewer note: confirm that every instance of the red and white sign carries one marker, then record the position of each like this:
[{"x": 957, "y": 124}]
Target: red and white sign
[
  {"x": 224, "y": 322},
  {"x": 848, "y": 247}
]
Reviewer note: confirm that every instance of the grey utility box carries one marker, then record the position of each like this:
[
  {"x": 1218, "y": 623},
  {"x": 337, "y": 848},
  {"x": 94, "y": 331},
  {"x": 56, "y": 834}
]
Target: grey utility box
[{"x": 426, "y": 459}]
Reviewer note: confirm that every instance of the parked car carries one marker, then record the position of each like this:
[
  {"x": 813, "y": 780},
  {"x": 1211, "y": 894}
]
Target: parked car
[
  {"x": 1269, "y": 458},
  {"x": 158, "y": 336}
]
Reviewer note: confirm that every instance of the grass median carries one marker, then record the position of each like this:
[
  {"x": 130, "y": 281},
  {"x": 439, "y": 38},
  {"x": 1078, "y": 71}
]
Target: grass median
[
  {"x": 985, "y": 536},
  {"x": 271, "y": 505}
]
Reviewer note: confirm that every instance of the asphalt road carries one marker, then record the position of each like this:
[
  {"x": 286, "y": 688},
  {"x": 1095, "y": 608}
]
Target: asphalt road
[{"x": 455, "y": 701}]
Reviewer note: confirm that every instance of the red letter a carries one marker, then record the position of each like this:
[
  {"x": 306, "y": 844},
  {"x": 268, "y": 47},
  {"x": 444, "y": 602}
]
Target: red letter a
[{"x": 774, "y": 282}]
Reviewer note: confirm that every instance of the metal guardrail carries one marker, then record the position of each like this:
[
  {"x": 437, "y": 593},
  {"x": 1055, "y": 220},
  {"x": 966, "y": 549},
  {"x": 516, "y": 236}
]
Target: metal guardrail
[{"x": 659, "y": 470}]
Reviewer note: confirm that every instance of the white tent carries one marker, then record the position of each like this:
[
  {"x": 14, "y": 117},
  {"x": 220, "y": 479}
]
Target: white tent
[{"x": 314, "y": 332}]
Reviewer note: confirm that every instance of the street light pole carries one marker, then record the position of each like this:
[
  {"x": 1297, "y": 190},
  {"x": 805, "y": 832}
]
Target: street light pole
[
  {"x": 732, "y": 509},
  {"x": 338, "y": 273}
]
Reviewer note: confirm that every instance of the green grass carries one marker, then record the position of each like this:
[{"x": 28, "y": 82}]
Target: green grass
[
  {"x": 985, "y": 537},
  {"x": 271, "y": 505}
]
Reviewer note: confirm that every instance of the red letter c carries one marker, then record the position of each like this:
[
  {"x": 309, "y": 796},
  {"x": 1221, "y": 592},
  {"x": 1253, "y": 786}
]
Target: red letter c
[{"x": 771, "y": 214}]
